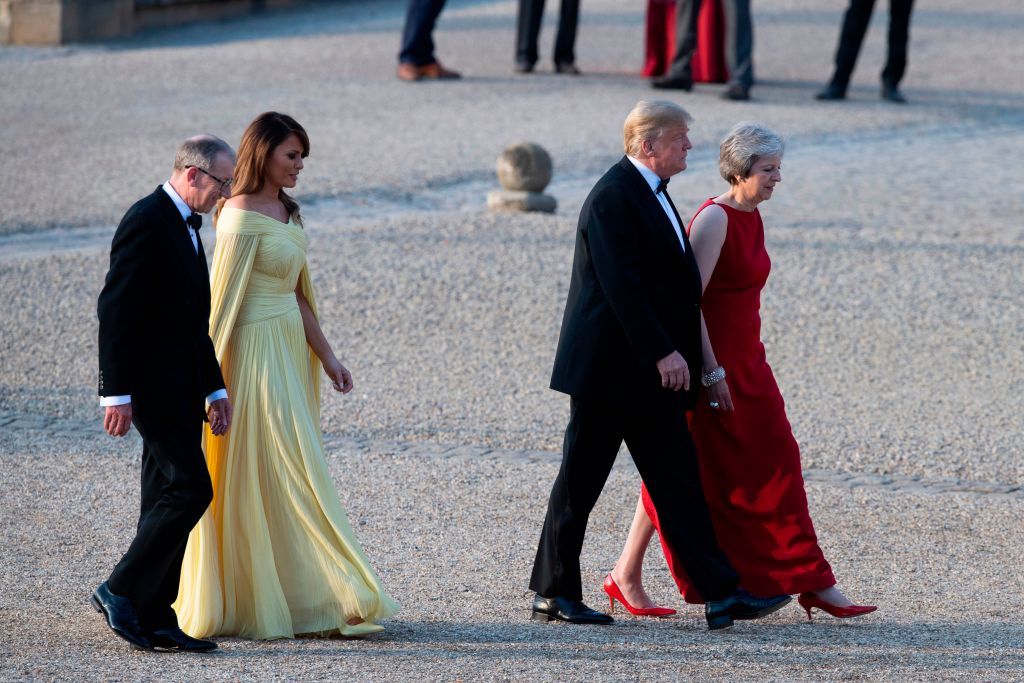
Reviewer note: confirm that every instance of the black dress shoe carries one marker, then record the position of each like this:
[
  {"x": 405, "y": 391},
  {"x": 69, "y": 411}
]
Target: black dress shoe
[
  {"x": 567, "y": 68},
  {"x": 831, "y": 92},
  {"x": 736, "y": 93},
  {"x": 672, "y": 83},
  {"x": 121, "y": 616},
  {"x": 523, "y": 67},
  {"x": 740, "y": 605},
  {"x": 572, "y": 611},
  {"x": 893, "y": 94},
  {"x": 173, "y": 638}
]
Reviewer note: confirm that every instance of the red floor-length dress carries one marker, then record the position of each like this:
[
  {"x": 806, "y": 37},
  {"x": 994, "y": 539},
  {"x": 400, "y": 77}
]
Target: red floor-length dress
[
  {"x": 708, "y": 62},
  {"x": 749, "y": 460}
]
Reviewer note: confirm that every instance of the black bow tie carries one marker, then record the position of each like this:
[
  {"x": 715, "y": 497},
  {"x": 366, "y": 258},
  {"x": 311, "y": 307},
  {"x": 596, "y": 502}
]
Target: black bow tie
[
  {"x": 662, "y": 186},
  {"x": 195, "y": 221}
]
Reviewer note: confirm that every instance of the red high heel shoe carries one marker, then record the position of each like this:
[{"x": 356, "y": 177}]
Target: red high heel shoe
[
  {"x": 612, "y": 589},
  {"x": 809, "y": 600}
]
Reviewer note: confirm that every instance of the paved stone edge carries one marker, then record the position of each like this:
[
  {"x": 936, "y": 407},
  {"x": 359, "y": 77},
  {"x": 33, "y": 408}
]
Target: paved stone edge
[{"x": 87, "y": 429}]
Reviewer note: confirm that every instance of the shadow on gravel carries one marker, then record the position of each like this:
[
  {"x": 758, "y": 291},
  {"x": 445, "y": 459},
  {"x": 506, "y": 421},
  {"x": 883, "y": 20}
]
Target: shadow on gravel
[{"x": 944, "y": 646}]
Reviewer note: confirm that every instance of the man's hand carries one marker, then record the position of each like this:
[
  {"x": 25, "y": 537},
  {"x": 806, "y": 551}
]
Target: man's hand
[
  {"x": 219, "y": 413},
  {"x": 117, "y": 420},
  {"x": 675, "y": 374}
]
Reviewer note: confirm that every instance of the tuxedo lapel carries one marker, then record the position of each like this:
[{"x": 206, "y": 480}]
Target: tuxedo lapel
[
  {"x": 656, "y": 214},
  {"x": 178, "y": 233}
]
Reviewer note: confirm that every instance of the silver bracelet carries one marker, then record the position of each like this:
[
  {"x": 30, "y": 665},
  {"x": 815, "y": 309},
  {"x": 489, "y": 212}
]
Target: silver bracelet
[{"x": 713, "y": 376}]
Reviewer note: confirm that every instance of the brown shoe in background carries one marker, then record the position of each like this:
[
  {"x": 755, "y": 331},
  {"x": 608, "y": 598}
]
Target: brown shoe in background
[
  {"x": 436, "y": 70},
  {"x": 407, "y": 71}
]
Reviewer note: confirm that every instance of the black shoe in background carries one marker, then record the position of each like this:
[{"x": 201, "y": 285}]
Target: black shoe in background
[
  {"x": 892, "y": 94},
  {"x": 736, "y": 92},
  {"x": 831, "y": 92},
  {"x": 672, "y": 83}
]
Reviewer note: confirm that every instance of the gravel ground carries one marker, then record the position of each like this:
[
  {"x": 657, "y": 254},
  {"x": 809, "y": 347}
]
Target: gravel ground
[
  {"x": 453, "y": 538},
  {"x": 892, "y": 320}
]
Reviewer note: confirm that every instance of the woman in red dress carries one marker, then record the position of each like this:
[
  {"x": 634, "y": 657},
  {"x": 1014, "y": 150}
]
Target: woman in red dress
[{"x": 749, "y": 460}]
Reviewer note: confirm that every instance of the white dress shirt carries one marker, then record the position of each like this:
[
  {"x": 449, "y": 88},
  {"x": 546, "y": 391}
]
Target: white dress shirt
[
  {"x": 185, "y": 212},
  {"x": 653, "y": 180}
]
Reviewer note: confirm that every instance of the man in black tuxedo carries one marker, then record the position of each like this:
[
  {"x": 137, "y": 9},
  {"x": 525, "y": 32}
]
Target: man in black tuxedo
[
  {"x": 157, "y": 365},
  {"x": 629, "y": 345}
]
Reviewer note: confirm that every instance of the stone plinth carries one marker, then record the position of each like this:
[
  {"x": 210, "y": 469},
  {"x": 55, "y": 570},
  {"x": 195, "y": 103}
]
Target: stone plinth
[{"x": 524, "y": 170}]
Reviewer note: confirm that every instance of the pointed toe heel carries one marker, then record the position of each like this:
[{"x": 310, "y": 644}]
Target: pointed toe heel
[
  {"x": 615, "y": 593},
  {"x": 809, "y": 601}
]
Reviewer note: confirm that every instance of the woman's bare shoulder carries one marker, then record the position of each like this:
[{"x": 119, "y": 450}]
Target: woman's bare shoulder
[
  {"x": 241, "y": 201},
  {"x": 712, "y": 217}
]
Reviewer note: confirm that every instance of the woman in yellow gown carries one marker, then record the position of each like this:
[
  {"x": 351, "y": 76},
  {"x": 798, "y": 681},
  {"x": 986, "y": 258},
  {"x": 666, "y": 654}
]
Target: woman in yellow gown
[{"x": 274, "y": 555}]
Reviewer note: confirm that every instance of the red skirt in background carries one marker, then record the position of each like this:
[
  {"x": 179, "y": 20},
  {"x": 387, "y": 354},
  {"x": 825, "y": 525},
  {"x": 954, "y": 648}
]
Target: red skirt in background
[{"x": 708, "y": 65}]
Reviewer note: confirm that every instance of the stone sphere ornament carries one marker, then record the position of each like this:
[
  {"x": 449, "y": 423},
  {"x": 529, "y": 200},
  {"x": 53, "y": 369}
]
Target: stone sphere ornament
[{"x": 524, "y": 170}]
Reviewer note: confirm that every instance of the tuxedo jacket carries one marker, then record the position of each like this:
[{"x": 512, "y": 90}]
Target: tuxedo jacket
[
  {"x": 154, "y": 315},
  {"x": 634, "y": 298}
]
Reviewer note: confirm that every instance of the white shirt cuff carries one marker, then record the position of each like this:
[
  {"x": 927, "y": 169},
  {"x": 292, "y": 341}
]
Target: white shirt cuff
[
  {"x": 115, "y": 400},
  {"x": 217, "y": 395}
]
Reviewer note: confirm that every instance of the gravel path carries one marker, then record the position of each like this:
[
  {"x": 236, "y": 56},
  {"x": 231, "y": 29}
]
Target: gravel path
[{"x": 892, "y": 320}]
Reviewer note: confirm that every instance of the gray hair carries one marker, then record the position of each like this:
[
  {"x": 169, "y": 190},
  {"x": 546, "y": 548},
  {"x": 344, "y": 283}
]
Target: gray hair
[
  {"x": 745, "y": 144},
  {"x": 648, "y": 121},
  {"x": 201, "y": 151}
]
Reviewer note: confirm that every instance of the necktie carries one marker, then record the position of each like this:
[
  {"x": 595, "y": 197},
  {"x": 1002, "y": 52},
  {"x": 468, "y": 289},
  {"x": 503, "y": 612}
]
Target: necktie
[
  {"x": 662, "y": 187},
  {"x": 195, "y": 221}
]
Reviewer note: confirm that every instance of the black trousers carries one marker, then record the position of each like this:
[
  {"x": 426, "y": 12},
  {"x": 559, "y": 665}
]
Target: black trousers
[
  {"x": 663, "y": 451},
  {"x": 176, "y": 490},
  {"x": 531, "y": 12},
  {"x": 418, "y": 35},
  {"x": 739, "y": 40},
  {"x": 855, "y": 25}
]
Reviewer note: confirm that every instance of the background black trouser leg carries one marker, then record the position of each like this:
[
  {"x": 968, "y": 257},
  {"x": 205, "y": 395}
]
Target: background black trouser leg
[
  {"x": 899, "y": 34},
  {"x": 855, "y": 25},
  {"x": 662, "y": 449},
  {"x": 531, "y": 12},
  {"x": 739, "y": 42},
  {"x": 176, "y": 490},
  {"x": 687, "y": 12},
  {"x": 565, "y": 40}
]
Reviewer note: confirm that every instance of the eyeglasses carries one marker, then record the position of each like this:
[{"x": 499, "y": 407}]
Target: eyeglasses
[{"x": 223, "y": 183}]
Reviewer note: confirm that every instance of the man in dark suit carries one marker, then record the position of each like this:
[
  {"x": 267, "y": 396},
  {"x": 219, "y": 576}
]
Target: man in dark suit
[
  {"x": 629, "y": 345},
  {"x": 531, "y": 12},
  {"x": 157, "y": 365},
  {"x": 855, "y": 25},
  {"x": 416, "y": 61}
]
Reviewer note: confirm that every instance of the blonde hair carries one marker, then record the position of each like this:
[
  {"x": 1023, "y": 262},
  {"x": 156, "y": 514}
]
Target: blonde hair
[
  {"x": 746, "y": 143},
  {"x": 648, "y": 121}
]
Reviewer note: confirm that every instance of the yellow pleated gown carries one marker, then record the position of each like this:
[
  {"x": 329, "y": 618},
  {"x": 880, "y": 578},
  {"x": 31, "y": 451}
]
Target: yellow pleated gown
[{"x": 274, "y": 555}]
